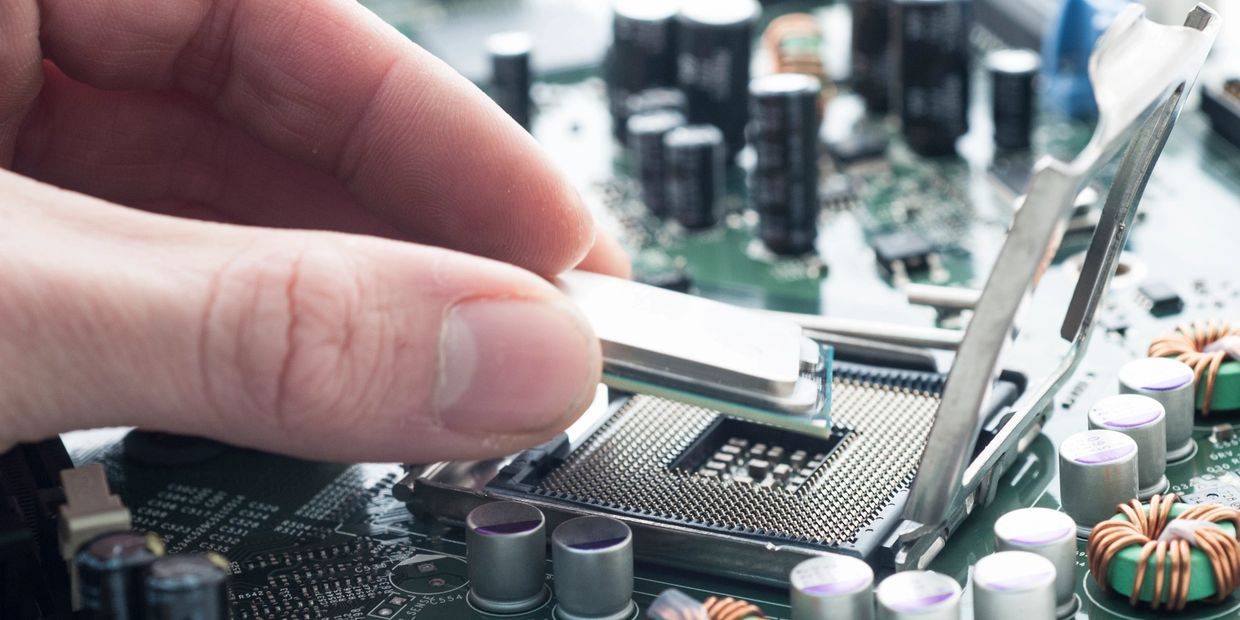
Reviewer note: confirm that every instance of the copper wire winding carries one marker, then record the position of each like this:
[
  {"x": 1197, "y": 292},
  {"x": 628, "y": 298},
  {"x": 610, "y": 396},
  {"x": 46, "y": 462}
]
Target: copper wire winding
[
  {"x": 729, "y": 608},
  {"x": 1188, "y": 344},
  {"x": 1172, "y": 565},
  {"x": 785, "y": 41}
]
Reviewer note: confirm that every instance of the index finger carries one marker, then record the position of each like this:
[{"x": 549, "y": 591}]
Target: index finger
[{"x": 328, "y": 83}]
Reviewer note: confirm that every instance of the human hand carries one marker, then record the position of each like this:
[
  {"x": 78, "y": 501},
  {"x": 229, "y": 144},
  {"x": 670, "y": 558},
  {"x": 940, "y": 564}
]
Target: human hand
[{"x": 356, "y": 344}]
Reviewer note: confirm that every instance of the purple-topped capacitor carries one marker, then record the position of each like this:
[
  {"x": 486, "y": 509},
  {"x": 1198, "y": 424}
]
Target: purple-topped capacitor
[
  {"x": 832, "y": 586},
  {"x": 507, "y": 547},
  {"x": 1169, "y": 382},
  {"x": 593, "y": 562},
  {"x": 1097, "y": 472},
  {"x": 1143, "y": 419},
  {"x": 918, "y": 595},
  {"x": 1050, "y": 534},
  {"x": 1013, "y": 584}
]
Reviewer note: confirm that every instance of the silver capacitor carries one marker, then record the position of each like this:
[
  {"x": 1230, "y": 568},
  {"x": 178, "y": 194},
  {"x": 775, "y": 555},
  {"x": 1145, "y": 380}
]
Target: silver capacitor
[
  {"x": 1144, "y": 420},
  {"x": 593, "y": 562},
  {"x": 832, "y": 586},
  {"x": 506, "y": 543},
  {"x": 1050, "y": 534},
  {"x": 918, "y": 595},
  {"x": 1014, "y": 584},
  {"x": 1097, "y": 472},
  {"x": 1169, "y": 382}
]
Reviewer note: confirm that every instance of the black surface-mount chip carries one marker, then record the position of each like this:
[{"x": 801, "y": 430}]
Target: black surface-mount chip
[
  {"x": 1159, "y": 298},
  {"x": 902, "y": 247},
  {"x": 858, "y": 147}
]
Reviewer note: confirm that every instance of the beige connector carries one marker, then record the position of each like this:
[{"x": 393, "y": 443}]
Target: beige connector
[{"x": 90, "y": 509}]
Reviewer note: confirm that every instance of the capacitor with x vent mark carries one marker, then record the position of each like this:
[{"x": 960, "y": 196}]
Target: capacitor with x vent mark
[
  {"x": 187, "y": 587},
  {"x": 111, "y": 569}
]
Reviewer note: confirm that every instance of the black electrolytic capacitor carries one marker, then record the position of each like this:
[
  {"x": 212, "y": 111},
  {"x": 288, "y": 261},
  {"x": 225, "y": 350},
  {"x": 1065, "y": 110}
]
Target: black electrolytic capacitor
[
  {"x": 511, "y": 75},
  {"x": 642, "y": 54},
  {"x": 187, "y": 587},
  {"x": 714, "y": 43},
  {"x": 871, "y": 54},
  {"x": 645, "y": 150},
  {"x": 652, "y": 100},
  {"x": 783, "y": 130},
  {"x": 111, "y": 569},
  {"x": 1013, "y": 100},
  {"x": 932, "y": 77},
  {"x": 695, "y": 157}
]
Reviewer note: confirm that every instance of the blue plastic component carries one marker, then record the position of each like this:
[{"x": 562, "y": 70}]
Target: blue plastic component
[{"x": 1065, "y": 54}]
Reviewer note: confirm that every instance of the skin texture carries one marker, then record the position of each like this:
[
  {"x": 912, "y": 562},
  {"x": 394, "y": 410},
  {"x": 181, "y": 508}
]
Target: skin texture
[{"x": 281, "y": 224}]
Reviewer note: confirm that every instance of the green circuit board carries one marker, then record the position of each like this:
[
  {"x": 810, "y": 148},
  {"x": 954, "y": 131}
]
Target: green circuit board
[{"x": 318, "y": 540}]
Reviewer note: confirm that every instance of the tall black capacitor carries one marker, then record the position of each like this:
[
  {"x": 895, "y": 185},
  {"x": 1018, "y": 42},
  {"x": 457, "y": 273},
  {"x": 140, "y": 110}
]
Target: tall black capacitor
[
  {"x": 1012, "y": 96},
  {"x": 932, "y": 72},
  {"x": 714, "y": 43},
  {"x": 696, "y": 159},
  {"x": 186, "y": 587},
  {"x": 871, "y": 54},
  {"x": 642, "y": 54},
  {"x": 511, "y": 75},
  {"x": 111, "y": 569},
  {"x": 645, "y": 151},
  {"x": 783, "y": 130}
]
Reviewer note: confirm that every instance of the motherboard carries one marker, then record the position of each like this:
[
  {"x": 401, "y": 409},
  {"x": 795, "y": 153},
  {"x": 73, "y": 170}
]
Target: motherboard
[{"x": 895, "y": 243}]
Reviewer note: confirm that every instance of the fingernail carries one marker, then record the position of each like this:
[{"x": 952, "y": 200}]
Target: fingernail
[{"x": 514, "y": 366}]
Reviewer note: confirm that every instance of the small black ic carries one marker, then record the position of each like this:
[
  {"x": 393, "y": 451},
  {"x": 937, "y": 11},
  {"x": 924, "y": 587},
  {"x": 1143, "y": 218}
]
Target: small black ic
[
  {"x": 858, "y": 147},
  {"x": 1160, "y": 299},
  {"x": 903, "y": 247},
  {"x": 677, "y": 280}
]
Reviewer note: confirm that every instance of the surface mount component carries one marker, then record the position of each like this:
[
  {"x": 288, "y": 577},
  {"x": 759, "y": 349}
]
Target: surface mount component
[
  {"x": 1140, "y": 73},
  {"x": 705, "y": 353},
  {"x": 1160, "y": 298}
]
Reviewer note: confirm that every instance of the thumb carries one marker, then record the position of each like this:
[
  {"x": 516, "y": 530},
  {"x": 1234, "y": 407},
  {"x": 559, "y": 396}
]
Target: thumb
[{"x": 315, "y": 344}]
